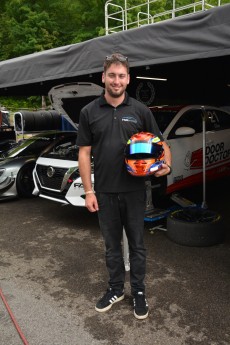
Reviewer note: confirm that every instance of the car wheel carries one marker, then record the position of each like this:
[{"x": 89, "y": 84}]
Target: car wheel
[
  {"x": 195, "y": 227},
  {"x": 25, "y": 183}
]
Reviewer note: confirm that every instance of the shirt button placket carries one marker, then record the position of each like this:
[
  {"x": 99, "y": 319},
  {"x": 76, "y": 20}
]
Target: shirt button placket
[{"x": 114, "y": 114}]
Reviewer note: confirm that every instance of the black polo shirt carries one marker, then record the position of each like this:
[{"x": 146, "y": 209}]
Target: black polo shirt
[{"x": 107, "y": 129}]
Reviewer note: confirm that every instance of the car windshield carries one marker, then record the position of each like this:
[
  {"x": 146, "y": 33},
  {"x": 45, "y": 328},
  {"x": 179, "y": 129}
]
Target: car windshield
[
  {"x": 65, "y": 149},
  {"x": 163, "y": 117},
  {"x": 27, "y": 147}
]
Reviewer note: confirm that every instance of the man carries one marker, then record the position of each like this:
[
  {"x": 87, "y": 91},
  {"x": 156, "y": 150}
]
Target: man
[{"x": 105, "y": 126}]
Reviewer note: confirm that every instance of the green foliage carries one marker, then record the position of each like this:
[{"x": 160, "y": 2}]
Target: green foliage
[
  {"x": 27, "y": 29},
  {"x": 13, "y": 104},
  {"x": 29, "y": 26}
]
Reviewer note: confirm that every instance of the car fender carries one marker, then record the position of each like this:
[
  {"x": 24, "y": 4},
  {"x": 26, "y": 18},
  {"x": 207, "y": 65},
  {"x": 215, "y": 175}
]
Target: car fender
[{"x": 76, "y": 194}]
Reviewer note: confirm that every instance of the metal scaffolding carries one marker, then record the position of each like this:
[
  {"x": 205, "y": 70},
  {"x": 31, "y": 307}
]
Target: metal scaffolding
[{"x": 120, "y": 16}]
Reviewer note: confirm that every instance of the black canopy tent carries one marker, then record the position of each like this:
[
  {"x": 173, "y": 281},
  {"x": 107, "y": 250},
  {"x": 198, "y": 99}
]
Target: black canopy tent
[{"x": 190, "y": 49}]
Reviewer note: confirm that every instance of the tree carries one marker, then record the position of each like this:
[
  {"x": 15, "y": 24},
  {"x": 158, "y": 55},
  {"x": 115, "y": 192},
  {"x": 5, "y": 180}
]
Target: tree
[
  {"x": 87, "y": 20},
  {"x": 29, "y": 26}
]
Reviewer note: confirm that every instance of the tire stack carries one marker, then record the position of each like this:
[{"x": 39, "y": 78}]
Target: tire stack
[{"x": 36, "y": 121}]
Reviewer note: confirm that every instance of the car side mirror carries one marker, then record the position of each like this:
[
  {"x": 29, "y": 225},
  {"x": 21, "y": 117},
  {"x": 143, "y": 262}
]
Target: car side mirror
[{"x": 185, "y": 131}]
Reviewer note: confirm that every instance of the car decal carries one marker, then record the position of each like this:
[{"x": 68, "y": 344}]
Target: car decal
[
  {"x": 196, "y": 159},
  {"x": 211, "y": 174},
  {"x": 214, "y": 155}
]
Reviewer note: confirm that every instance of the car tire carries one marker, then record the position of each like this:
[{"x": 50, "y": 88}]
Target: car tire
[
  {"x": 24, "y": 182},
  {"x": 195, "y": 227}
]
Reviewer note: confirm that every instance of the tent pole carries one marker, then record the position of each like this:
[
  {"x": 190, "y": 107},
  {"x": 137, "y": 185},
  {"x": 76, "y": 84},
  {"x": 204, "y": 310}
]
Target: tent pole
[{"x": 204, "y": 117}]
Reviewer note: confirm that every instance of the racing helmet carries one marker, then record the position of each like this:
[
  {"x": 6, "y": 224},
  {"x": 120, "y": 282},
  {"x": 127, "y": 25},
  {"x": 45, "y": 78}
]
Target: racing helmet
[{"x": 144, "y": 154}]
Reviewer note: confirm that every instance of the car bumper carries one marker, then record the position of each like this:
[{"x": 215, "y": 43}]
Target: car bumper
[{"x": 74, "y": 196}]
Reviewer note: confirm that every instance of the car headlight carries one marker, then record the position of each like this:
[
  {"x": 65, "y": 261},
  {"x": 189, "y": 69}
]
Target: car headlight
[
  {"x": 70, "y": 176},
  {"x": 73, "y": 175}
]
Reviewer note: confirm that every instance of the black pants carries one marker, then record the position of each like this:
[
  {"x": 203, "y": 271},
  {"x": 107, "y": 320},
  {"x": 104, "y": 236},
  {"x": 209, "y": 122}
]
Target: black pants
[{"x": 118, "y": 211}]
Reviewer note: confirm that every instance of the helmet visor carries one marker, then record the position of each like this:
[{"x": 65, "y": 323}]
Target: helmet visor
[{"x": 141, "y": 150}]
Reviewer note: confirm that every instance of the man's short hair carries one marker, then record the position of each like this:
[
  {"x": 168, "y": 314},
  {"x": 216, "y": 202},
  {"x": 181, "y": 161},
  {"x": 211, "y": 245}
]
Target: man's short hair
[{"x": 116, "y": 58}]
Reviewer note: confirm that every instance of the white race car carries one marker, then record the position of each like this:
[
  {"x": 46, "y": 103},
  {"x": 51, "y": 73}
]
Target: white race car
[
  {"x": 56, "y": 174},
  {"x": 182, "y": 128}
]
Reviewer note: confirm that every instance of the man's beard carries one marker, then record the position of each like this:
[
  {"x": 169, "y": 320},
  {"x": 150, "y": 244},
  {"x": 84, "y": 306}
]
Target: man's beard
[{"x": 115, "y": 94}]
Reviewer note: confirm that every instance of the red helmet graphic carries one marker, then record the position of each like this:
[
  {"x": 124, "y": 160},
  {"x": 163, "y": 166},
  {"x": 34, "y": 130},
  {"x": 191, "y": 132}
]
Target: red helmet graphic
[{"x": 144, "y": 154}]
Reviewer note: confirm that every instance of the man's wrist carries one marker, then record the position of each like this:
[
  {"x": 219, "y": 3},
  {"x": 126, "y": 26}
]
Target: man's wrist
[
  {"x": 170, "y": 168},
  {"x": 89, "y": 192}
]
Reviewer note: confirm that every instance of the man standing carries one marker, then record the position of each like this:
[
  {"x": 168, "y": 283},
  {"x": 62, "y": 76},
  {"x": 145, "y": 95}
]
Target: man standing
[{"x": 105, "y": 126}]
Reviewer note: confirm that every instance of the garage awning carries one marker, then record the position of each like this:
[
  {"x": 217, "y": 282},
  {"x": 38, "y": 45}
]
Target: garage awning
[{"x": 197, "y": 36}]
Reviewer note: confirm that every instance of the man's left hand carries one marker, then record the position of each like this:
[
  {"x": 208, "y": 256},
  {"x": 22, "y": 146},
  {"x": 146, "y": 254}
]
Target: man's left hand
[{"x": 165, "y": 170}]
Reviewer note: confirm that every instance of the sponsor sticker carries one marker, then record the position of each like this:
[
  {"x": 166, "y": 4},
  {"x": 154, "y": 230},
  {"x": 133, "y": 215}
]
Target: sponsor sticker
[{"x": 214, "y": 154}]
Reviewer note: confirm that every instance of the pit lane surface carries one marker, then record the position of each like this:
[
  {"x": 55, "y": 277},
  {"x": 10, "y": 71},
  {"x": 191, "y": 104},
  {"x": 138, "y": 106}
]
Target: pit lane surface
[{"x": 52, "y": 273}]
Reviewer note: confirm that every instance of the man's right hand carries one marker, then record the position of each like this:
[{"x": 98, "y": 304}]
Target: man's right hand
[{"x": 91, "y": 202}]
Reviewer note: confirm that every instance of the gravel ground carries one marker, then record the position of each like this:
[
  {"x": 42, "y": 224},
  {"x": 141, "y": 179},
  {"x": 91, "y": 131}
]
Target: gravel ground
[{"x": 52, "y": 272}]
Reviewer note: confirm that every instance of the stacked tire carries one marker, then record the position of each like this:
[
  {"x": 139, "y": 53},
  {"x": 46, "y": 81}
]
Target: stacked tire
[{"x": 36, "y": 121}]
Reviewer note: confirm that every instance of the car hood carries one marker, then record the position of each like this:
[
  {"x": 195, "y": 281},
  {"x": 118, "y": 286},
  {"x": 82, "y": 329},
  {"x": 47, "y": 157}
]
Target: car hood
[{"x": 69, "y": 99}]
